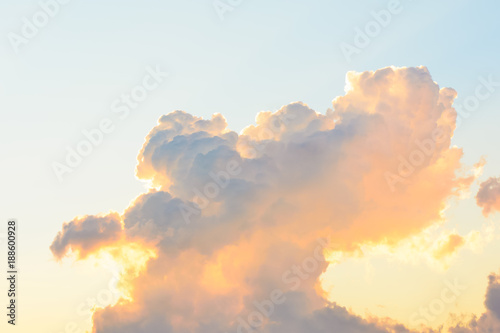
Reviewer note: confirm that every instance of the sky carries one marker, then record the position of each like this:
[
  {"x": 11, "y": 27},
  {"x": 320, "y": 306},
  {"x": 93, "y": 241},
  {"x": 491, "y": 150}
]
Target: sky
[{"x": 102, "y": 236}]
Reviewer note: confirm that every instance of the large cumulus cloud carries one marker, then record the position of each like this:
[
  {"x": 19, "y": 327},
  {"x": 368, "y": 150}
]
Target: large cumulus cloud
[{"x": 236, "y": 219}]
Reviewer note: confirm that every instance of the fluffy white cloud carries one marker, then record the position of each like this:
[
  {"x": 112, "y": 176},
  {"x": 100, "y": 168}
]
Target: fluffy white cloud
[{"x": 234, "y": 219}]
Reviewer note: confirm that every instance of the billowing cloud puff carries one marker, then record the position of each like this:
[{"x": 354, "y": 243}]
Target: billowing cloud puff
[
  {"x": 86, "y": 234},
  {"x": 492, "y": 301},
  {"x": 488, "y": 196},
  {"x": 238, "y": 221},
  {"x": 449, "y": 246},
  {"x": 490, "y": 320}
]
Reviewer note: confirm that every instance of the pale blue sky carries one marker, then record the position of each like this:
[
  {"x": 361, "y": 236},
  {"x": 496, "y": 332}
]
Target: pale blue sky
[{"x": 265, "y": 54}]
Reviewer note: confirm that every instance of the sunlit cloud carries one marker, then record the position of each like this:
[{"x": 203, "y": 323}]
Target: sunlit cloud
[
  {"x": 231, "y": 234},
  {"x": 488, "y": 196}
]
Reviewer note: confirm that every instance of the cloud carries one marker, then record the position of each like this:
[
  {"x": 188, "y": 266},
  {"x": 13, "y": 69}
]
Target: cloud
[
  {"x": 86, "y": 234},
  {"x": 237, "y": 220},
  {"x": 489, "y": 321},
  {"x": 488, "y": 196},
  {"x": 449, "y": 246},
  {"x": 492, "y": 301}
]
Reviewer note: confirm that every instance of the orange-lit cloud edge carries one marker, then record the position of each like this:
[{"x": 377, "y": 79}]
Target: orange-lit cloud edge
[{"x": 237, "y": 229}]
